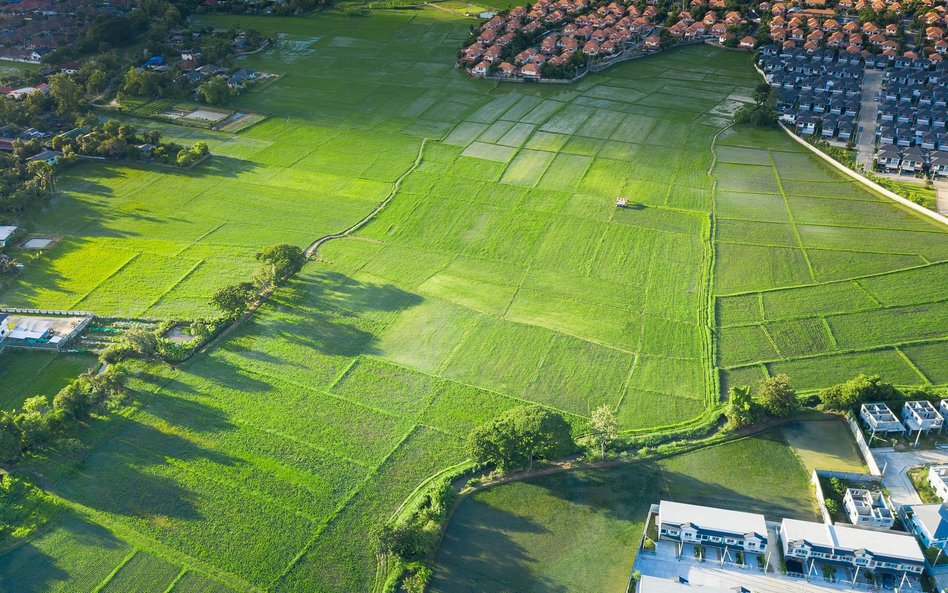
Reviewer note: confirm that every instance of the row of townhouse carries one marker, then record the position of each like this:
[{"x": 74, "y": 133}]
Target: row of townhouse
[
  {"x": 917, "y": 415},
  {"x": 805, "y": 544},
  {"x": 816, "y": 93},
  {"x": 912, "y": 130}
]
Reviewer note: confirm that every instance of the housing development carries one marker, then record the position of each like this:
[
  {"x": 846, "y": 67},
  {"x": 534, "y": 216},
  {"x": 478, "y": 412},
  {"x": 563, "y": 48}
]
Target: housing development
[{"x": 567, "y": 296}]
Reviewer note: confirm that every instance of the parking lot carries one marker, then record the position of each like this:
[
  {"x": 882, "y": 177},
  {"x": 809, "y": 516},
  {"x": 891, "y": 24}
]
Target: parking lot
[{"x": 894, "y": 465}]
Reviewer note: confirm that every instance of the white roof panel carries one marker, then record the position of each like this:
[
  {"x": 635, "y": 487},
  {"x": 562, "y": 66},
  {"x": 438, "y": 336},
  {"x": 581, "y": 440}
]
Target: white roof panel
[
  {"x": 712, "y": 518},
  {"x": 883, "y": 543}
]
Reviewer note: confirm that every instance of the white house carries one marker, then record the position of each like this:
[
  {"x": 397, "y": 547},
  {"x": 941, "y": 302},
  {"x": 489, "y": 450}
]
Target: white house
[
  {"x": 866, "y": 508},
  {"x": 816, "y": 544},
  {"x": 879, "y": 418},
  {"x": 693, "y": 524},
  {"x": 943, "y": 404},
  {"x": 921, "y": 415},
  {"x": 930, "y": 524},
  {"x": 5, "y": 233},
  {"x": 938, "y": 478},
  {"x": 4, "y": 327}
]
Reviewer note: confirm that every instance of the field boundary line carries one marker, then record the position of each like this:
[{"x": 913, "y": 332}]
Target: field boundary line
[
  {"x": 136, "y": 538},
  {"x": 854, "y": 278},
  {"x": 829, "y": 332},
  {"x": 793, "y": 222},
  {"x": 912, "y": 364},
  {"x": 108, "y": 578},
  {"x": 174, "y": 285},
  {"x": 313, "y": 247},
  {"x": 711, "y": 311},
  {"x": 174, "y": 581},
  {"x": 89, "y": 292},
  {"x": 341, "y": 507},
  {"x": 871, "y": 296},
  {"x": 867, "y": 182}
]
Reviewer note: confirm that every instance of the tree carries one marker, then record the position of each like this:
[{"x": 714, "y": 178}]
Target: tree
[
  {"x": 214, "y": 90},
  {"x": 286, "y": 259},
  {"x": 762, "y": 112},
  {"x": 66, "y": 93},
  {"x": 777, "y": 397},
  {"x": 34, "y": 423},
  {"x": 10, "y": 438},
  {"x": 844, "y": 396},
  {"x": 519, "y": 436},
  {"x": 234, "y": 299},
  {"x": 141, "y": 341},
  {"x": 72, "y": 401},
  {"x": 96, "y": 82},
  {"x": 407, "y": 541},
  {"x": 603, "y": 427},
  {"x": 741, "y": 409}
]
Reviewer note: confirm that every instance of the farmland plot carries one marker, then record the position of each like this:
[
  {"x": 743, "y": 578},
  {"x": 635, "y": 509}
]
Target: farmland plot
[{"x": 857, "y": 275}]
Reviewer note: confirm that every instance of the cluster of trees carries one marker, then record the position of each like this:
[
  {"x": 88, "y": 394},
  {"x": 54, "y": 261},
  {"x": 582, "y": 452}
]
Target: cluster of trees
[
  {"x": 762, "y": 112},
  {"x": 23, "y": 184},
  {"x": 520, "y": 436},
  {"x": 280, "y": 263},
  {"x": 113, "y": 139},
  {"x": 773, "y": 397},
  {"x": 41, "y": 423},
  {"x": 845, "y": 396},
  {"x": 576, "y": 62}
]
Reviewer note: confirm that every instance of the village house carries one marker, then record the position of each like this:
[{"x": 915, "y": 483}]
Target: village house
[
  {"x": 929, "y": 522},
  {"x": 693, "y": 524},
  {"x": 877, "y": 416},
  {"x": 920, "y": 415},
  {"x": 938, "y": 478}
]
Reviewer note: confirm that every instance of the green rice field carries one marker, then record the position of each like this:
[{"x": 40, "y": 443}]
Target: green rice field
[{"x": 501, "y": 273}]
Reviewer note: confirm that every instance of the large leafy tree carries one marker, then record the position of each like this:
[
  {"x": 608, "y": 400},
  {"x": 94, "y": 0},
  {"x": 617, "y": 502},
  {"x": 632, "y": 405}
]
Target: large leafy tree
[
  {"x": 520, "y": 436},
  {"x": 603, "y": 427},
  {"x": 741, "y": 409},
  {"x": 777, "y": 397}
]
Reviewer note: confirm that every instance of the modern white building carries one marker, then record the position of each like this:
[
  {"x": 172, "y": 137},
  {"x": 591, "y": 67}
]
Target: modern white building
[
  {"x": 938, "y": 478},
  {"x": 930, "y": 524},
  {"x": 4, "y": 327},
  {"x": 816, "y": 544},
  {"x": 943, "y": 408},
  {"x": 867, "y": 508},
  {"x": 699, "y": 525},
  {"x": 921, "y": 416},
  {"x": 879, "y": 418}
]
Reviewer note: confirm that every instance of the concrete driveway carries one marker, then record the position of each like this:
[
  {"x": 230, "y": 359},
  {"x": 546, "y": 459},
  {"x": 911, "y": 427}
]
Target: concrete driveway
[{"x": 894, "y": 466}]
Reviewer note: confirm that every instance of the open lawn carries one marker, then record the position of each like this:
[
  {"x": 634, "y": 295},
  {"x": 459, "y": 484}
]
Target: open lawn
[
  {"x": 501, "y": 273},
  {"x": 24, "y": 373},
  {"x": 578, "y": 531},
  {"x": 824, "y": 444}
]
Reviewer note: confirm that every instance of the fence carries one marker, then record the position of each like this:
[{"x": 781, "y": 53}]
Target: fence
[
  {"x": 852, "y": 477},
  {"x": 863, "y": 446},
  {"x": 58, "y": 313}
]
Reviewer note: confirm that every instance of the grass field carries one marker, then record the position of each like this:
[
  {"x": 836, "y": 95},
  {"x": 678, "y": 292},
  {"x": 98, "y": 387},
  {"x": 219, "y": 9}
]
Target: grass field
[
  {"x": 501, "y": 273},
  {"x": 824, "y": 444},
  {"x": 578, "y": 531},
  {"x": 24, "y": 374}
]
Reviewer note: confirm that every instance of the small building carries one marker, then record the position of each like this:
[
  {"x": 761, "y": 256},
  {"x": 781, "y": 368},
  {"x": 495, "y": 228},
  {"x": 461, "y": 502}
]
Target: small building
[
  {"x": 708, "y": 526},
  {"x": 929, "y": 522},
  {"x": 922, "y": 416},
  {"x": 814, "y": 544},
  {"x": 867, "y": 508},
  {"x": 46, "y": 156},
  {"x": 6, "y": 232},
  {"x": 4, "y": 328},
  {"x": 938, "y": 478},
  {"x": 878, "y": 417}
]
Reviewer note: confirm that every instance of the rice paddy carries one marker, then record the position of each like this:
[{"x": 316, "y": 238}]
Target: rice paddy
[{"x": 501, "y": 273}]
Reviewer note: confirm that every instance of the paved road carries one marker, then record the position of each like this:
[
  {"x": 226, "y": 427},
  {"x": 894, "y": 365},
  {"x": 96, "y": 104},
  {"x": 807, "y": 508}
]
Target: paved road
[
  {"x": 869, "y": 108},
  {"x": 894, "y": 466},
  {"x": 941, "y": 192}
]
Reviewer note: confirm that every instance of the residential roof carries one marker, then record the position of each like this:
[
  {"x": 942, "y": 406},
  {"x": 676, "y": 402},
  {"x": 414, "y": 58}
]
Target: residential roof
[
  {"x": 6, "y": 231},
  {"x": 933, "y": 518},
  {"x": 839, "y": 537},
  {"x": 650, "y": 584},
  {"x": 713, "y": 519}
]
